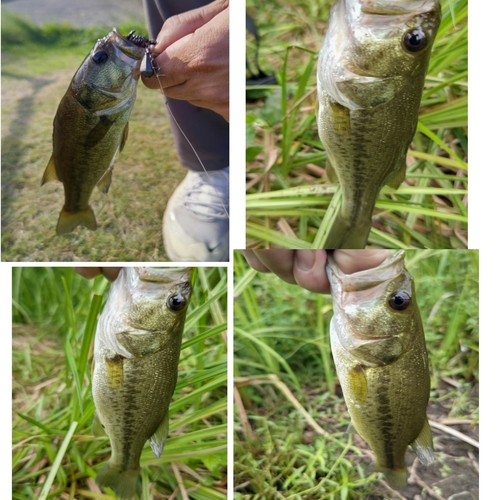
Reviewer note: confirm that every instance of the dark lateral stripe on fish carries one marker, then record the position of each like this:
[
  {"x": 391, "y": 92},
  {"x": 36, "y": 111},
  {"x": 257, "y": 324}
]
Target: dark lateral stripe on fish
[
  {"x": 386, "y": 421},
  {"x": 130, "y": 418}
]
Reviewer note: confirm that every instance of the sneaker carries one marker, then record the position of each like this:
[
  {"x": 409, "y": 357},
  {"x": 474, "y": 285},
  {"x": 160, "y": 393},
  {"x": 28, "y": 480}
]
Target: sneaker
[{"x": 196, "y": 221}]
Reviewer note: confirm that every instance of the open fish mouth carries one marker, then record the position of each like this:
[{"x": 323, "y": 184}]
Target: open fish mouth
[
  {"x": 131, "y": 46},
  {"x": 166, "y": 275},
  {"x": 368, "y": 279},
  {"x": 394, "y": 7}
]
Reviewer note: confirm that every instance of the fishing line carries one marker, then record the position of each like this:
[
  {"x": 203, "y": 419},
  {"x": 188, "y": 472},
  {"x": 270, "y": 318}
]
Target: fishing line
[{"x": 150, "y": 61}]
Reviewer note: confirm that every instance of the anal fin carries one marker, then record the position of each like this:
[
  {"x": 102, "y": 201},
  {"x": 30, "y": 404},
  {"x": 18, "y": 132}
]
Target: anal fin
[
  {"x": 50, "y": 173},
  {"x": 157, "y": 440},
  {"x": 105, "y": 181},
  {"x": 423, "y": 445}
]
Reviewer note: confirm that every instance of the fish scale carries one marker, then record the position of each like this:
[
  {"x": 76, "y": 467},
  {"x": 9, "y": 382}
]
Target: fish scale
[
  {"x": 136, "y": 353},
  {"x": 381, "y": 362},
  {"x": 370, "y": 80},
  {"x": 91, "y": 125}
]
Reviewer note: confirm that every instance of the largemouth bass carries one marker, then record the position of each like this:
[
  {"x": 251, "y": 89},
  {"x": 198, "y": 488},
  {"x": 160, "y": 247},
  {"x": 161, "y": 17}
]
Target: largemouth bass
[
  {"x": 136, "y": 356},
  {"x": 91, "y": 125},
  {"x": 379, "y": 351},
  {"x": 371, "y": 72}
]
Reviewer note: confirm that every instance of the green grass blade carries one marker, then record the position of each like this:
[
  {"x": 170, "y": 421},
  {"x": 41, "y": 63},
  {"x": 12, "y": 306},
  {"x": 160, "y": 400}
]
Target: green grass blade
[{"x": 57, "y": 462}]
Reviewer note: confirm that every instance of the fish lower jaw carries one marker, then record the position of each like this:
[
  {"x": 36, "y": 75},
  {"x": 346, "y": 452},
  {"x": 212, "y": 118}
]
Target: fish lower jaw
[
  {"x": 363, "y": 338},
  {"x": 395, "y": 8}
]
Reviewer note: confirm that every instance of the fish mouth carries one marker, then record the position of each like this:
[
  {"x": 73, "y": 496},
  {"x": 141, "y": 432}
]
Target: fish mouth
[
  {"x": 368, "y": 279},
  {"x": 369, "y": 338},
  {"x": 133, "y": 47},
  {"x": 395, "y": 7},
  {"x": 164, "y": 275}
]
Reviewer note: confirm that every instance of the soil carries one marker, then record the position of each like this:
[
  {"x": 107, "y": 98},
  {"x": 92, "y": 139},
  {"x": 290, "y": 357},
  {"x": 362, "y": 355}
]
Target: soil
[{"x": 455, "y": 472}]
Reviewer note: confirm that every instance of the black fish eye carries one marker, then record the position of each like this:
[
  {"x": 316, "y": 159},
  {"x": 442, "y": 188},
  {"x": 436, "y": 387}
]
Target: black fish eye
[
  {"x": 399, "y": 300},
  {"x": 176, "y": 302},
  {"x": 414, "y": 40},
  {"x": 100, "y": 57}
]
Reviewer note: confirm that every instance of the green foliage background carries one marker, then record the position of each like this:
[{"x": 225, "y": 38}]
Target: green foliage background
[
  {"x": 282, "y": 334},
  {"x": 290, "y": 202},
  {"x": 54, "y": 453}
]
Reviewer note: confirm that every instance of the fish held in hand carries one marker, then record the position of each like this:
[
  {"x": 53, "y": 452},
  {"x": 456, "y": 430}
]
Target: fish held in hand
[
  {"x": 91, "y": 125},
  {"x": 371, "y": 73},
  {"x": 378, "y": 346},
  {"x": 136, "y": 356}
]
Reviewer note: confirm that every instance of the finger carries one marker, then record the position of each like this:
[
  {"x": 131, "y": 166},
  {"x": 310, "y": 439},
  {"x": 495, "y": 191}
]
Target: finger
[
  {"x": 176, "y": 27},
  {"x": 278, "y": 261},
  {"x": 111, "y": 273},
  {"x": 352, "y": 261},
  {"x": 254, "y": 262},
  {"x": 88, "y": 272},
  {"x": 169, "y": 72},
  {"x": 309, "y": 270}
]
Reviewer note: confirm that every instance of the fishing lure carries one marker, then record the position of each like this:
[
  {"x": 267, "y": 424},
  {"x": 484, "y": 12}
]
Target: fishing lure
[{"x": 147, "y": 67}]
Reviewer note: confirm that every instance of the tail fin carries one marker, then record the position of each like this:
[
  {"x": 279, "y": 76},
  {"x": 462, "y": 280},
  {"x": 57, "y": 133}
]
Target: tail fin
[
  {"x": 396, "y": 478},
  {"x": 69, "y": 221},
  {"x": 123, "y": 483}
]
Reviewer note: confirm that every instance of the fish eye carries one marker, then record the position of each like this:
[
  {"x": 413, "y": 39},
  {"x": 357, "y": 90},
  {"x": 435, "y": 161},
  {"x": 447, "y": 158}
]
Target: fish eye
[
  {"x": 414, "y": 40},
  {"x": 176, "y": 302},
  {"x": 399, "y": 300},
  {"x": 100, "y": 57}
]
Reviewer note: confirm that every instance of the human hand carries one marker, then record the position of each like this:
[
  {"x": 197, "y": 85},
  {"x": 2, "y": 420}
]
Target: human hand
[
  {"x": 352, "y": 261},
  {"x": 307, "y": 267},
  {"x": 300, "y": 267},
  {"x": 110, "y": 273},
  {"x": 192, "y": 57}
]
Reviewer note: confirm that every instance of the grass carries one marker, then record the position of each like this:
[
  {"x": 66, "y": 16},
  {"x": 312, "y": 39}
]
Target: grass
[
  {"x": 37, "y": 67},
  {"x": 54, "y": 452},
  {"x": 291, "y": 418},
  {"x": 290, "y": 202}
]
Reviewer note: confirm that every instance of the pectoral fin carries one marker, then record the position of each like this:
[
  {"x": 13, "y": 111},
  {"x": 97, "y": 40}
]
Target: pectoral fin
[
  {"x": 97, "y": 134},
  {"x": 139, "y": 342},
  {"x": 423, "y": 445},
  {"x": 124, "y": 137},
  {"x": 114, "y": 371},
  {"x": 379, "y": 352},
  {"x": 358, "y": 384},
  {"x": 341, "y": 119},
  {"x": 157, "y": 440},
  {"x": 370, "y": 92},
  {"x": 398, "y": 176}
]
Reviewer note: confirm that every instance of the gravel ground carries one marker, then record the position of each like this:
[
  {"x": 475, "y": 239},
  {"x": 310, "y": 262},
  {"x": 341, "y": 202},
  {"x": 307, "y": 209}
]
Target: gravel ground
[{"x": 82, "y": 13}]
